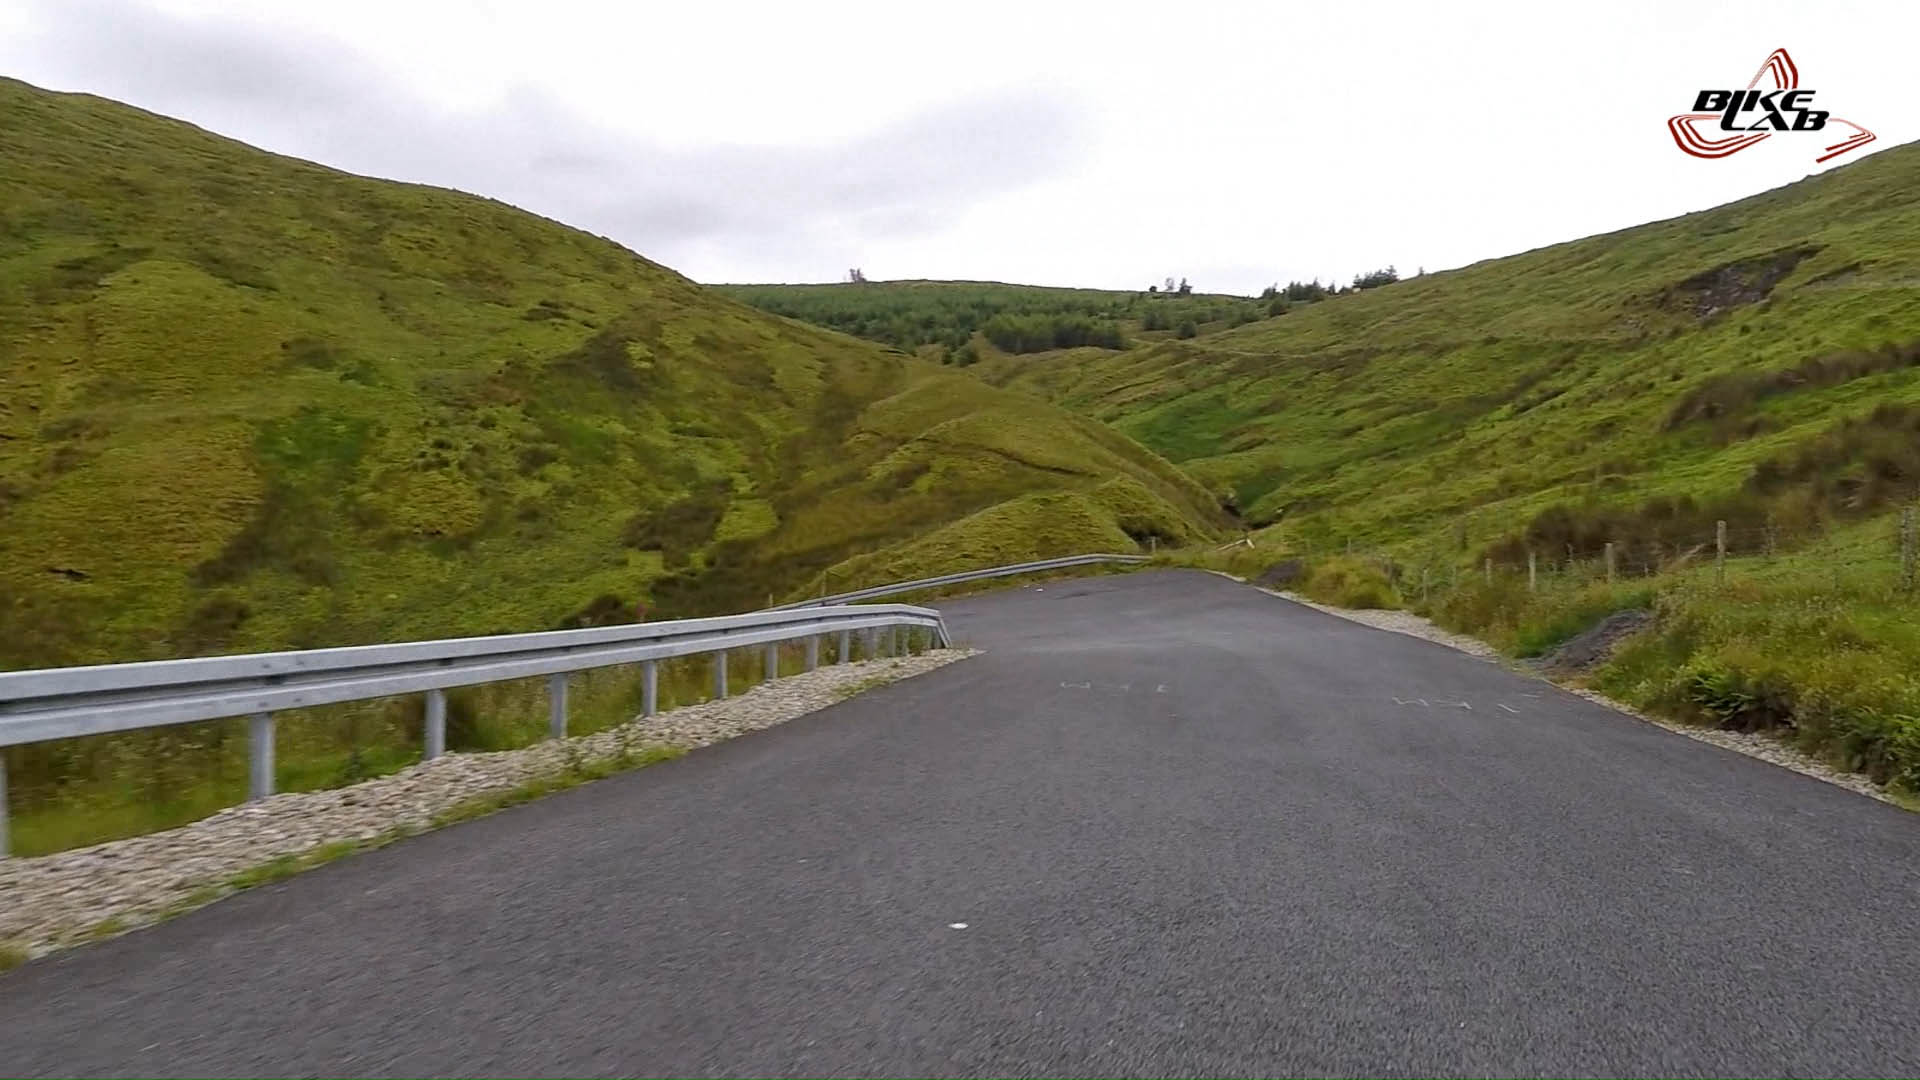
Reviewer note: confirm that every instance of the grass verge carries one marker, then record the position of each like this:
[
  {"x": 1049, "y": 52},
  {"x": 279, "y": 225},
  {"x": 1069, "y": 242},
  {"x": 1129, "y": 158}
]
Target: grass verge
[{"x": 1822, "y": 659}]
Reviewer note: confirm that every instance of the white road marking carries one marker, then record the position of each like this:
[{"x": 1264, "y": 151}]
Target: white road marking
[
  {"x": 1510, "y": 708},
  {"x": 1161, "y": 689},
  {"x": 956, "y": 926}
]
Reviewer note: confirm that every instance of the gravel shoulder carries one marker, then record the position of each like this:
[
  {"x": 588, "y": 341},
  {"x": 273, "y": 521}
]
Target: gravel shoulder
[
  {"x": 1753, "y": 744},
  {"x": 72, "y": 897}
]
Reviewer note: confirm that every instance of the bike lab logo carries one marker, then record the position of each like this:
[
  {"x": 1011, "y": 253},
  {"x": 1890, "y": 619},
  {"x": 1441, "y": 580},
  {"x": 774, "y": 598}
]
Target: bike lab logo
[{"x": 1755, "y": 114}]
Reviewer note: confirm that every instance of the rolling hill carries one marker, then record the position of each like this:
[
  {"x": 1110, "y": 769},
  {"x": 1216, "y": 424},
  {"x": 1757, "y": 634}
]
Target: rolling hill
[
  {"x": 1482, "y": 444},
  {"x": 1717, "y": 357},
  {"x": 251, "y": 402}
]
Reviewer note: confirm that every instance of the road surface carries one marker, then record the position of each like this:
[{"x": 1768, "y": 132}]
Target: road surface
[{"x": 1167, "y": 825}]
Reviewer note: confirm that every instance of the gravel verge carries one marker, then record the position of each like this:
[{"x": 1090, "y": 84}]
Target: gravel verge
[
  {"x": 51, "y": 901},
  {"x": 1400, "y": 622},
  {"x": 1756, "y": 744}
]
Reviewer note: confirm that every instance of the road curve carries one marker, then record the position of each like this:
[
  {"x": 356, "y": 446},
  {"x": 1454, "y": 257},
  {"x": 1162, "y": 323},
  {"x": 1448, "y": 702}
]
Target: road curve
[{"x": 1167, "y": 824}]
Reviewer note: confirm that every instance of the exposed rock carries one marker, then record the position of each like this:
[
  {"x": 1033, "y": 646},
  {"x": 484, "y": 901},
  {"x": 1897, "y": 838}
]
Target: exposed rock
[
  {"x": 1734, "y": 284},
  {"x": 1588, "y": 650}
]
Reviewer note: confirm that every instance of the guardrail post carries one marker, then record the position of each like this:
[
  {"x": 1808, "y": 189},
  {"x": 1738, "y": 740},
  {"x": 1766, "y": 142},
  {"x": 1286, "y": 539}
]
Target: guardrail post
[
  {"x": 5, "y": 850},
  {"x": 720, "y": 674},
  {"x": 813, "y": 652},
  {"x": 436, "y": 738},
  {"x": 846, "y": 647},
  {"x": 872, "y": 642},
  {"x": 259, "y": 756},
  {"x": 893, "y": 642},
  {"x": 772, "y": 661},
  {"x": 557, "y": 705},
  {"x": 649, "y": 687}
]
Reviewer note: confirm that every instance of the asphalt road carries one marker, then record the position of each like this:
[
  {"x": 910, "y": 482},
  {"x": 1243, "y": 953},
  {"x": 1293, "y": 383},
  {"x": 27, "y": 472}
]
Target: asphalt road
[{"x": 1165, "y": 825}]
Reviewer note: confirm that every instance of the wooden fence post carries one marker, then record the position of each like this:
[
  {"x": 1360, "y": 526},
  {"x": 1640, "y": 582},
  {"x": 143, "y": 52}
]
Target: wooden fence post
[
  {"x": 1908, "y": 542},
  {"x": 1609, "y": 556},
  {"x": 1533, "y": 573},
  {"x": 1489, "y": 571},
  {"x": 1720, "y": 552}
]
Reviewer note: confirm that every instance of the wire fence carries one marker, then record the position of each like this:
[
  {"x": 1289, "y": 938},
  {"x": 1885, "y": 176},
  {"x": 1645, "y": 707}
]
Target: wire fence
[{"x": 1881, "y": 561}]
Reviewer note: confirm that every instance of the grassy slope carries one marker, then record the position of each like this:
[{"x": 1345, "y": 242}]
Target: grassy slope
[
  {"x": 1494, "y": 391},
  {"x": 1584, "y": 392},
  {"x": 1504, "y": 387},
  {"x": 251, "y": 402}
]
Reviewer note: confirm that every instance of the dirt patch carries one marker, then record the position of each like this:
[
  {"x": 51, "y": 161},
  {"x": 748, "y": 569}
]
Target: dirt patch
[
  {"x": 1734, "y": 284},
  {"x": 1587, "y": 651},
  {"x": 1281, "y": 574}
]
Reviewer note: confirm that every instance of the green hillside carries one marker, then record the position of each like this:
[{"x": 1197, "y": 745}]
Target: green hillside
[
  {"x": 1482, "y": 441},
  {"x": 251, "y": 402},
  {"x": 1706, "y": 356},
  {"x": 957, "y": 321}
]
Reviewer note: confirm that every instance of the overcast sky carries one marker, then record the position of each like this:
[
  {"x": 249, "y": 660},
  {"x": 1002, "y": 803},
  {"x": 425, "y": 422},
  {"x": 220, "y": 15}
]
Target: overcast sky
[{"x": 1099, "y": 144}]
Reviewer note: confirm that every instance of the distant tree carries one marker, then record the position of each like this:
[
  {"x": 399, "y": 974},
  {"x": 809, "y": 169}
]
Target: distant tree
[
  {"x": 1376, "y": 279},
  {"x": 1154, "y": 289},
  {"x": 1040, "y": 332},
  {"x": 1276, "y": 305},
  {"x": 1270, "y": 291},
  {"x": 1168, "y": 287},
  {"x": 856, "y": 276},
  {"x": 1185, "y": 289},
  {"x": 1308, "y": 291},
  {"x": 1186, "y": 328}
]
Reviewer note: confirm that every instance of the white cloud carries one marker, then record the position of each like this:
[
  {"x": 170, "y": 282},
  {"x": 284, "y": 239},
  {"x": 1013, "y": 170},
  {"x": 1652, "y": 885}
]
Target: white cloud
[{"x": 1098, "y": 145}]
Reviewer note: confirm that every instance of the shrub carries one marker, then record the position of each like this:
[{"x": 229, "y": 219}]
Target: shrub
[{"x": 1351, "y": 582}]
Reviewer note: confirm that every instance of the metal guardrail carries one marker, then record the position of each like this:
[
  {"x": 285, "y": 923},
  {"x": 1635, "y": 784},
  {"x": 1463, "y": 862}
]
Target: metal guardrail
[
  {"x": 1066, "y": 563},
  {"x": 61, "y": 703}
]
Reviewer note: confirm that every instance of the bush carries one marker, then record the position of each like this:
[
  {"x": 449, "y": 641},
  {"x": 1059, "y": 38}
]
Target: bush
[
  {"x": 1350, "y": 582},
  {"x": 1186, "y": 329}
]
